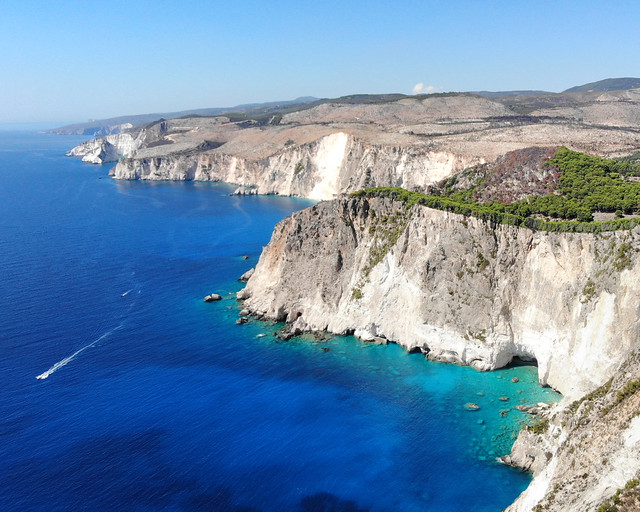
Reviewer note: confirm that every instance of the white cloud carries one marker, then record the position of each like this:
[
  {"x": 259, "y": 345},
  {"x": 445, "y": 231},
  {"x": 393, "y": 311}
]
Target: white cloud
[{"x": 419, "y": 88}]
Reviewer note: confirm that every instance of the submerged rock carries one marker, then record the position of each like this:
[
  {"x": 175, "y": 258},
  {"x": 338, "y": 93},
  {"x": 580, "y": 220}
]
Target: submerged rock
[
  {"x": 470, "y": 406},
  {"x": 289, "y": 332}
]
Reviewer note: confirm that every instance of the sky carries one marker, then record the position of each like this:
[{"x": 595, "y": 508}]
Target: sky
[{"x": 69, "y": 61}]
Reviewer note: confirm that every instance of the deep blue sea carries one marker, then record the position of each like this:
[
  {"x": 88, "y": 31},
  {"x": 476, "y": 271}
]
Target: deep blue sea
[{"x": 157, "y": 401}]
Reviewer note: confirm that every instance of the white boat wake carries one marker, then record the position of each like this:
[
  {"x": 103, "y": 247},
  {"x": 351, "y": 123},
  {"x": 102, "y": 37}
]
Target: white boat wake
[{"x": 70, "y": 358}]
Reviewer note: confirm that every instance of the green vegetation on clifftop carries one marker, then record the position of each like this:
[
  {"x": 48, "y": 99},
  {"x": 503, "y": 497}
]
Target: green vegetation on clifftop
[{"x": 587, "y": 185}]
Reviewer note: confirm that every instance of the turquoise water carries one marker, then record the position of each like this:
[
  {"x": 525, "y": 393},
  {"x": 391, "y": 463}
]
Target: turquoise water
[{"x": 155, "y": 400}]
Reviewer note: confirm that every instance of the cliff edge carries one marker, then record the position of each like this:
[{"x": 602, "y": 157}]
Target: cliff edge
[
  {"x": 342, "y": 145},
  {"x": 586, "y": 456},
  {"x": 462, "y": 290},
  {"x": 456, "y": 288}
]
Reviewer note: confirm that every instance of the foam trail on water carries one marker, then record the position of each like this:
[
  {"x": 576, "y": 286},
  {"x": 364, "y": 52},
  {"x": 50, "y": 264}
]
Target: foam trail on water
[{"x": 70, "y": 358}]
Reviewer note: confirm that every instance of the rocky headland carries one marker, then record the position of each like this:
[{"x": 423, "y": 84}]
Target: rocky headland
[
  {"x": 338, "y": 146},
  {"x": 463, "y": 290},
  {"x": 469, "y": 286},
  {"x": 456, "y": 288}
]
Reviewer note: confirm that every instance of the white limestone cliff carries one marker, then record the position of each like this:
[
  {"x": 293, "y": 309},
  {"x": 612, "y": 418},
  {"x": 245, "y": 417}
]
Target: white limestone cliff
[
  {"x": 106, "y": 149},
  {"x": 110, "y": 148},
  {"x": 456, "y": 288},
  {"x": 340, "y": 146},
  {"x": 323, "y": 169},
  {"x": 464, "y": 291}
]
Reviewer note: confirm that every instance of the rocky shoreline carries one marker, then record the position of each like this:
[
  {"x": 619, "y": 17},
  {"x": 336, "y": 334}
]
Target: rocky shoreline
[
  {"x": 456, "y": 289},
  {"x": 463, "y": 291},
  {"x": 340, "y": 147},
  {"x": 466, "y": 292}
]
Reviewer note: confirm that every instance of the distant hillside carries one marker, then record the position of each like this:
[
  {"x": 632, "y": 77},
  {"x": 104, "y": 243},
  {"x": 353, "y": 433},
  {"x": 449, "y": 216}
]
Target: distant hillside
[
  {"x": 608, "y": 84},
  {"x": 100, "y": 127},
  {"x": 528, "y": 103},
  {"x": 260, "y": 113},
  {"x": 520, "y": 102},
  {"x": 500, "y": 94}
]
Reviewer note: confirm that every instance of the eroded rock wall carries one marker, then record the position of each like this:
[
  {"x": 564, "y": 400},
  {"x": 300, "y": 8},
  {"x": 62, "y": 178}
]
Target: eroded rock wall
[
  {"x": 587, "y": 452},
  {"x": 106, "y": 149},
  {"x": 110, "y": 148},
  {"x": 334, "y": 164},
  {"x": 456, "y": 288}
]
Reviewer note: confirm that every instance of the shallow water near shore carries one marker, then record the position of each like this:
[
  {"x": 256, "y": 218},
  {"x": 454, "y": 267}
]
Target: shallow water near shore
[{"x": 150, "y": 399}]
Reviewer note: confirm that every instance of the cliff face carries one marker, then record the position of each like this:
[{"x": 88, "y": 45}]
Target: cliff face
[
  {"x": 322, "y": 169},
  {"x": 456, "y": 288},
  {"x": 106, "y": 149},
  {"x": 463, "y": 291},
  {"x": 110, "y": 148},
  {"x": 340, "y": 146},
  {"x": 588, "y": 452}
]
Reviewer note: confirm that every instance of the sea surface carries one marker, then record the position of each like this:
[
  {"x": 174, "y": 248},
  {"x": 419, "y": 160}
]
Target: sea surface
[{"x": 152, "y": 400}]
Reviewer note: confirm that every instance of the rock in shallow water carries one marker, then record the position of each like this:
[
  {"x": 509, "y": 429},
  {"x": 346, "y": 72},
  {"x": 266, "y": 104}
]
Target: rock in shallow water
[
  {"x": 213, "y": 297},
  {"x": 247, "y": 275}
]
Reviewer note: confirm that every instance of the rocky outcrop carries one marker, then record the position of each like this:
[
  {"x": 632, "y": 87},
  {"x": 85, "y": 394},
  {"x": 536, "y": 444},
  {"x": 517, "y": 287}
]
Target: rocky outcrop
[
  {"x": 464, "y": 291},
  {"x": 456, "y": 288},
  {"x": 246, "y": 276},
  {"x": 106, "y": 149},
  {"x": 339, "y": 146},
  {"x": 585, "y": 455},
  {"x": 334, "y": 164},
  {"x": 110, "y": 148},
  {"x": 96, "y": 151}
]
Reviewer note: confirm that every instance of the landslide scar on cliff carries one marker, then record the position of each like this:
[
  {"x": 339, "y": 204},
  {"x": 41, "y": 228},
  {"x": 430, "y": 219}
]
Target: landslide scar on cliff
[{"x": 386, "y": 231}]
